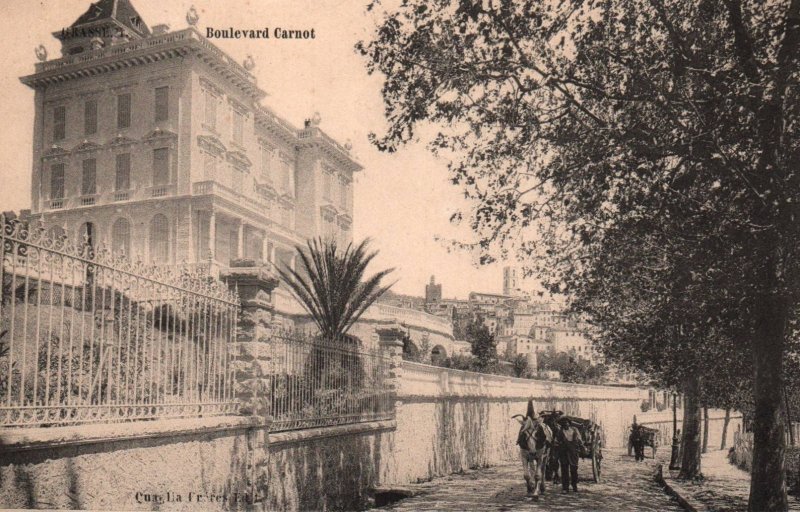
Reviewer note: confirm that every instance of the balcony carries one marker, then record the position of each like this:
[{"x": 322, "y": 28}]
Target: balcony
[
  {"x": 56, "y": 204},
  {"x": 88, "y": 200},
  {"x": 122, "y": 195},
  {"x": 202, "y": 188},
  {"x": 161, "y": 190}
]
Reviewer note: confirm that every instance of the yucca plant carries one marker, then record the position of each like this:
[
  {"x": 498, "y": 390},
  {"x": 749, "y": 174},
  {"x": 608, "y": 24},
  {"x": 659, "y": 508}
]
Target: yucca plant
[{"x": 331, "y": 285}]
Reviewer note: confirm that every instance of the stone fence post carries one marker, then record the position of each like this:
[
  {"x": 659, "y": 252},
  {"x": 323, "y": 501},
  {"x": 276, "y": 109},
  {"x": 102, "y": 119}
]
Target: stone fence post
[
  {"x": 391, "y": 344},
  {"x": 250, "y": 355}
]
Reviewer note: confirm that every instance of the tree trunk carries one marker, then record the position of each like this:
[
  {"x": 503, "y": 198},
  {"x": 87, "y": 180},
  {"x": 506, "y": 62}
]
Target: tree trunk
[
  {"x": 788, "y": 416},
  {"x": 705, "y": 428},
  {"x": 690, "y": 453},
  {"x": 725, "y": 424},
  {"x": 768, "y": 479}
]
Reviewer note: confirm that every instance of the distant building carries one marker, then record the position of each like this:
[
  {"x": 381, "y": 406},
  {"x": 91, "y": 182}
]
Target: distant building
[
  {"x": 433, "y": 291},
  {"x": 510, "y": 281}
]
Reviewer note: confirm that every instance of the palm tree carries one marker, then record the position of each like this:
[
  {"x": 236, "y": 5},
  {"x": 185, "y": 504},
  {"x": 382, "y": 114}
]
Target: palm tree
[{"x": 331, "y": 286}]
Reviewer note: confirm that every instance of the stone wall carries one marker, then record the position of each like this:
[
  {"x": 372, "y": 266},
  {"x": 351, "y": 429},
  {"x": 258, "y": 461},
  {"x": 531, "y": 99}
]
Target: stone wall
[
  {"x": 131, "y": 466},
  {"x": 449, "y": 420}
]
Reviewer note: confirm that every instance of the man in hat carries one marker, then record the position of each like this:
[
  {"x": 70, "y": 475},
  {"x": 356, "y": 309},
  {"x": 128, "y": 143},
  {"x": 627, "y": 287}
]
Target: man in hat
[
  {"x": 637, "y": 441},
  {"x": 570, "y": 445}
]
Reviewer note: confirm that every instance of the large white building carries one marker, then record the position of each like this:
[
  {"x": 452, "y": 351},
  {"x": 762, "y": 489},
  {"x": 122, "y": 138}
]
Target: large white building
[{"x": 155, "y": 143}]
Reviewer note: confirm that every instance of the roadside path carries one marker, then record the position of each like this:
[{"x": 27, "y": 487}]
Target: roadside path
[{"x": 626, "y": 486}]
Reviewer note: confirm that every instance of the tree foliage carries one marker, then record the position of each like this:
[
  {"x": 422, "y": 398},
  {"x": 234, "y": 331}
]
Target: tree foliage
[
  {"x": 569, "y": 122},
  {"x": 331, "y": 284},
  {"x": 571, "y": 367},
  {"x": 484, "y": 346}
]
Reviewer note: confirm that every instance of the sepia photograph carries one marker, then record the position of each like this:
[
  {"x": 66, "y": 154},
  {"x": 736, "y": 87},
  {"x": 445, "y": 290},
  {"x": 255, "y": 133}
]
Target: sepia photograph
[{"x": 400, "y": 255}]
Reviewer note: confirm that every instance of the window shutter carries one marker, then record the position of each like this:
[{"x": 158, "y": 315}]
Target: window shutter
[
  {"x": 162, "y": 104},
  {"x": 123, "y": 177},
  {"x": 124, "y": 110},
  {"x": 90, "y": 117},
  {"x": 160, "y": 166},
  {"x": 59, "y": 123},
  {"x": 57, "y": 181},
  {"x": 211, "y": 110},
  {"x": 89, "y": 181}
]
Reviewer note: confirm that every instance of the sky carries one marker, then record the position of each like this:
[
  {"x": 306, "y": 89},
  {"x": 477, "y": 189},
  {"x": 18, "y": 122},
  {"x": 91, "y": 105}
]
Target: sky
[{"x": 402, "y": 201}]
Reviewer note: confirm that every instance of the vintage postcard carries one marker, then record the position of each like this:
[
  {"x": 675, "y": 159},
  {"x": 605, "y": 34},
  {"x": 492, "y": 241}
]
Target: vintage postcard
[{"x": 400, "y": 254}]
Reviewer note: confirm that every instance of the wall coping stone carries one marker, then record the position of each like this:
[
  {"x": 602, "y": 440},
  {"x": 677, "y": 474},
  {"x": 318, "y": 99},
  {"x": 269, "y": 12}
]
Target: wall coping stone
[
  {"x": 310, "y": 434},
  {"x": 23, "y": 439},
  {"x": 421, "y": 380}
]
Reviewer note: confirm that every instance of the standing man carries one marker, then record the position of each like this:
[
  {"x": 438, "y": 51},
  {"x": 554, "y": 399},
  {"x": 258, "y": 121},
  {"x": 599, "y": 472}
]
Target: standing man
[
  {"x": 637, "y": 441},
  {"x": 570, "y": 445}
]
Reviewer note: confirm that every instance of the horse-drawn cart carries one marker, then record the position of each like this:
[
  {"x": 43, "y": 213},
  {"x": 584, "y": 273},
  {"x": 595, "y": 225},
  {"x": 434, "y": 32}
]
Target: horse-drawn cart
[
  {"x": 650, "y": 437},
  {"x": 591, "y": 433}
]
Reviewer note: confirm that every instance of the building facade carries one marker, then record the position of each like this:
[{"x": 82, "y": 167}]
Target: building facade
[{"x": 155, "y": 144}]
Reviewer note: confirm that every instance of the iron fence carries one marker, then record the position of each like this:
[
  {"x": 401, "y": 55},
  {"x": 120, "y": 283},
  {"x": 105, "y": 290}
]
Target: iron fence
[
  {"x": 316, "y": 383},
  {"x": 87, "y": 336}
]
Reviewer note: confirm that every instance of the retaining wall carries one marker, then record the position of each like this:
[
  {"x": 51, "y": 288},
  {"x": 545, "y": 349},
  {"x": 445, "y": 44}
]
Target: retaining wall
[{"x": 448, "y": 420}]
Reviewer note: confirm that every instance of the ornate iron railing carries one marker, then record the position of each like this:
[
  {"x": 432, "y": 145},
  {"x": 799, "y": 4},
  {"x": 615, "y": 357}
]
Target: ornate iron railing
[
  {"x": 86, "y": 336},
  {"x": 316, "y": 383}
]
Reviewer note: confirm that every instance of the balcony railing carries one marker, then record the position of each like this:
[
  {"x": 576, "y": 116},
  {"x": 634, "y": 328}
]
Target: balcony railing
[
  {"x": 162, "y": 190},
  {"x": 214, "y": 188},
  {"x": 188, "y": 34},
  {"x": 88, "y": 200},
  {"x": 56, "y": 204},
  {"x": 122, "y": 195}
]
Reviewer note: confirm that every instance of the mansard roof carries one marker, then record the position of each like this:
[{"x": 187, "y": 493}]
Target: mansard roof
[{"x": 121, "y": 11}]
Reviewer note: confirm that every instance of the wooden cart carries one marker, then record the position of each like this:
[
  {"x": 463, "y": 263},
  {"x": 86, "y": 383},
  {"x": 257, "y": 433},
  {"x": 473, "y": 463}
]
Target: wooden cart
[
  {"x": 591, "y": 433},
  {"x": 650, "y": 437}
]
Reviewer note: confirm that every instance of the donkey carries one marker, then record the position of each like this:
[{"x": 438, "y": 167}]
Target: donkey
[{"x": 534, "y": 441}]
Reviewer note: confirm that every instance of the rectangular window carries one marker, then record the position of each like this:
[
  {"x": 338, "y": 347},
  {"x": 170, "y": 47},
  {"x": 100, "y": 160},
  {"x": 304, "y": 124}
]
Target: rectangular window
[
  {"x": 210, "y": 109},
  {"x": 123, "y": 175},
  {"x": 238, "y": 127},
  {"x": 90, "y": 117},
  {"x": 57, "y": 181},
  {"x": 162, "y": 104},
  {"x": 89, "y": 178},
  {"x": 210, "y": 166},
  {"x": 343, "y": 194},
  {"x": 160, "y": 166},
  {"x": 237, "y": 178},
  {"x": 266, "y": 156},
  {"x": 124, "y": 110},
  {"x": 326, "y": 181},
  {"x": 59, "y": 123},
  {"x": 286, "y": 177}
]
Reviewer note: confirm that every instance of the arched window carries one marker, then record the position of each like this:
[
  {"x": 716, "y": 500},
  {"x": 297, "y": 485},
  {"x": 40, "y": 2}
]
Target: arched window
[
  {"x": 159, "y": 239},
  {"x": 121, "y": 237},
  {"x": 87, "y": 234}
]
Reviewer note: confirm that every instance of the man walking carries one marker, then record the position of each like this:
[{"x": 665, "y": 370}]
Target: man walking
[
  {"x": 637, "y": 441},
  {"x": 570, "y": 445}
]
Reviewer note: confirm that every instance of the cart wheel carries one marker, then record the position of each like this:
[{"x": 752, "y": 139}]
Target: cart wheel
[{"x": 597, "y": 456}]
